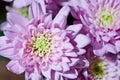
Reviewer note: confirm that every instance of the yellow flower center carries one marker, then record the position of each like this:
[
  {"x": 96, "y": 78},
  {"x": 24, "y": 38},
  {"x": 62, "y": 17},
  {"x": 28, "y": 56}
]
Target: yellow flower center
[
  {"x": 106, "y": 19},
  {"x": 41, "y": 44}
]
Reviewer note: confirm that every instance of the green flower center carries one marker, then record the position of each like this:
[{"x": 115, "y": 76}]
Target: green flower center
[
  {"x": 106, "y": 19},
  {"x": 97, "y": 68},
  {"x": 24, "y": 12},
  {"x": 41, "y": 45}
]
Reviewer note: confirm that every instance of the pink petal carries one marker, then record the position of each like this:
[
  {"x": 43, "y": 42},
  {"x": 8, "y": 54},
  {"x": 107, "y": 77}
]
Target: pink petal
[
  {"x": 71, "y": 54},
  {"x": 47, "y": 73},
  {"x": 73, "y": 61},
  {"x": 43, "y": 6},
  {"x": 15, "y": 67},
  {"x": 75, "y": 28},
  {"x": 20, "y": 3},
  {"x": 57, "y": 75},
  {"x": 3, "y": 41},
  {"x": 81, "y": 51},
  {"x": 35, "y": 10},
  {"x": 117, "y": 45},
  {"x": 6, "y": 49},
  {"x": 72, "y": 74},
  {"x": 57, "y": 67},
  {"x": 99, "y": 52},
  {"x": 65, "y": 59},
  {"x": 14, "y": 18},
  {"x": 33, "y": 76},
  {"x": 82, "y": 40},
  {"x": 61, "y": 17},
  {"x": 111, "y": 48},
  {"x": 65, "y": 66},
  {"x": 67, "y": 46},
  {"x": 48, "y": 18},
  {"x": 106, "y": 38},
  {"x": 14, "y": 31}
]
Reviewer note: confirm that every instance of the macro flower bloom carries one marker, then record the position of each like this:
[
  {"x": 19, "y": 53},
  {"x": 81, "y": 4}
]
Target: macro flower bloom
[
  {"x": 105, "y": 67},
  {"x": 42, "y": 46},
  {"x": 101, "y": 21}
]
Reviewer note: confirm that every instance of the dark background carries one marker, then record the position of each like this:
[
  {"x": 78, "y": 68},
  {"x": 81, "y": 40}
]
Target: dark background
[{"x": 4, "y": 73}]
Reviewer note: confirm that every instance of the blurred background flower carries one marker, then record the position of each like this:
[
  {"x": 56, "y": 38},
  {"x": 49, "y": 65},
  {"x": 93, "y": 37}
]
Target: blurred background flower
[{"x": 4, "y": 73}]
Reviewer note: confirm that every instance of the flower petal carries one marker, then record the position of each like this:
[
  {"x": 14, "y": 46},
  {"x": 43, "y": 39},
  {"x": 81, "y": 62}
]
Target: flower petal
[
  {"x": 6, "y": 49},
  {"x": 82, "y": 40},
  {"x": 73, "y": 61},
  {"x": 15, "y": 67},
  {"x": 33, "y": 75},
  {"x": 65, "y": 67},
  {"x": 111, "y": 48},
  {"x": 47, "y": 73},
  {"x": 35, "y": 10},
  {"x": 61, "y": 17},
  {"x": 71, "y": 54},
  {"x": 74, "y": 28},
  {"x": 14, "y": 18},
  {"x": 72, "y": 74},
  {"x": 57, "y": 67},
  {"x": 20, "y": 3},
  {"x": 43, "y": 6}
]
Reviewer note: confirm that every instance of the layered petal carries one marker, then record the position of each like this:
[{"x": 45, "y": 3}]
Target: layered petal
[
  {"x": 15, "y": 67},
  {"x": 61, "y": 17},
  {"x": 82, "y": 40},
  {"x": 14, "y": 18}
]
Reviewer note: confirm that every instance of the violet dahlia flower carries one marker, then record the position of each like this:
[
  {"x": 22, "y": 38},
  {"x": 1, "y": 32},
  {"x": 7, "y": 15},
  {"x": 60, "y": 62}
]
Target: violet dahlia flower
[
  {"x": 42, "y": 46},
  {"x": 101, "y": 19}
]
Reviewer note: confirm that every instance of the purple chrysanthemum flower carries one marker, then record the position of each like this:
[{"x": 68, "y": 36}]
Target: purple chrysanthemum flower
[
  {"x": 101, "y": 19},
  {"x": 42, "y": 46},
  {"x": 105, "y": 67}
]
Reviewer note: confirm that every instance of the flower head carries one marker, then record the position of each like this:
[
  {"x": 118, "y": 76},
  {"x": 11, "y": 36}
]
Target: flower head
[
  {"x": 42, "y": 46},
  {"x": 101, "y": 19}
]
